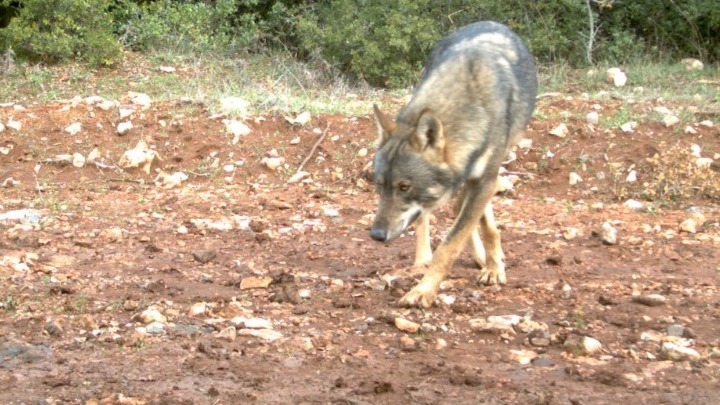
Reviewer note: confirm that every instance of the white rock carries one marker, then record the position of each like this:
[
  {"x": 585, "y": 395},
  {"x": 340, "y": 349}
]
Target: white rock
[
  {"x": 608, "y": 234},
  {"x": 695, "y": 150},
  {"x": 670, "y": 120},
  {"x": 264, "y": 334},
  {"x": 124, "y": 127},
  {"x": 592, "y": 117},
  {"x": 141, "y": 99},
  {"x": 561, "y": 131},
  {"x": 591, "y": 345},
  {"x": 504, "y": 184},
  {"x": 707, "y": 123},
  {"x": 139, "y": 156},
  {"x": 150, "y": 315},
  {"x": 93, "y": 155},
  {"x": 272, "y": 163},
  {"x": 692, "y": 64},
  {"x": 197, "y": 308},
  {"x": 689, "y": 225},
  {"x": 510, "y": 320},
  {"x": 167, "y": 69},
  {"x": 406, "y": 326},
  {"x": 690, "y": 130},
  {"x": 74, "y": 128},
  {"x": 631, "y": 177},
  {"x": 78, "y": 160},
  {"x": 14, "y": 125},
  {"x": 2, "y": 127},
  {"x": 616, "y": 76},
  {"x": 362, "y": 152},
  {"x": 628, "y": 126},
  {"x": 634, "y": 205},
  {"x": 237, "y": 128},
  {"x": 523, "y": 357},
  {"x": 703, "y": 163},
  {"x": 297, "y": 177},
  {"x": 167, "y": 180},
  {"x": 678, "y": 353},
  {"x": 570, "y": 233},
  {"x": 662, "y": 110},
  {"x": 106, "y": 105},
  {"x": 229, "y": 334},
  {"x": 301, "y": 119},
  {"x": 125, "y": 112},
  {"x": 525, "y": 143},
  {"x": 574, "y": 178}
]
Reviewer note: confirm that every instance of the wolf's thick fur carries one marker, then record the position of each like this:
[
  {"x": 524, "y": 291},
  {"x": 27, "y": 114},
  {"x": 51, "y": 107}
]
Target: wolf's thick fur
[{"x": 472, "y": 104}]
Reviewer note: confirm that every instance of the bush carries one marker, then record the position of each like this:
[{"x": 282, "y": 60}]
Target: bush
[
  {"x": 188, "y": 27},
  {"x": 60, "y": 30}
]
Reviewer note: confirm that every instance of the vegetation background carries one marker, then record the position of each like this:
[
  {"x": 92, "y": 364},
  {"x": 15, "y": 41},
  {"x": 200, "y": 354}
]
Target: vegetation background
[{"x": 376, "y": 42}]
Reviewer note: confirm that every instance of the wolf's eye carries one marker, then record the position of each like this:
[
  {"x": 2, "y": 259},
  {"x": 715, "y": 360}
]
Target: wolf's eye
[{"x": 404, "y": 187}]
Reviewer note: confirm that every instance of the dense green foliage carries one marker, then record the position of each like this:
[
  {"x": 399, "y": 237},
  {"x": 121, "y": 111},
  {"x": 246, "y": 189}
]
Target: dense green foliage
[
  {"x": 382, "y": 42},
  {"x": 61, "y": 30}
]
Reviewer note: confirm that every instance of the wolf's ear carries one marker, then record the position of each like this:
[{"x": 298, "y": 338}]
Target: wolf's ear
[
  {"x": 428, "y": 133},
  {"x": 385, "y": 125}
]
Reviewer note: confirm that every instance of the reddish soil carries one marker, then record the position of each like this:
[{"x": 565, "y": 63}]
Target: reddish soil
[{"x": 108, "y": 244}]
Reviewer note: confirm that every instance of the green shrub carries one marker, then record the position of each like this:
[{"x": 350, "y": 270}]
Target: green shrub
[
  {"x": 60, "y": 30},
  {"x": 183, "y": 26}
]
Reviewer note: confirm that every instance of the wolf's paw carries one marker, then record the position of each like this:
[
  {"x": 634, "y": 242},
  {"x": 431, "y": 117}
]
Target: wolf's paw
[
  {"x": 490, "y": 277},
  {"x": 419, "y": 296}
]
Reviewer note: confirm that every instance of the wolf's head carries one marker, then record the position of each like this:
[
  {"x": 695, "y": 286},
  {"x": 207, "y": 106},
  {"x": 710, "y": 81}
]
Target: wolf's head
[{"x": 411, "y": 173}]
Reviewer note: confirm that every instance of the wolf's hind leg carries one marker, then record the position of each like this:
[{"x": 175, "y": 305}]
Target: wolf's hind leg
[{"x": 494, "y": 270}]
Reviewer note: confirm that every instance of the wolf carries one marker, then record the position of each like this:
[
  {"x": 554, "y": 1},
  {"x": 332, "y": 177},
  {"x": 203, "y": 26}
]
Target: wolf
[{"x": 471, "y": 105}]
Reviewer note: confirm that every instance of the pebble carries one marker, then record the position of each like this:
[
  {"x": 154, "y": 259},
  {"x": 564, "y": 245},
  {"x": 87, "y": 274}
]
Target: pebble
[
  {"x": 150, "y": 315},
  {"x": 592, "y": 117},
  {"x": 197, "y": 308},
  {"x": 54, "y": 327},
  {"x": 608, "y": 234},
  {"x": 229, "y": 334},
  {"x": 674, "y": 352},
  {"x": 255, "y": 282},
  {"x": 406, "y": 326},
  {"x": 124, "y": 127},
  {"x": 561, "y": 131},
  {"x": 574, "y": 178},
  {"x": 676, "y": 330},
  {"x": 204, "y": 256},
  {"x": 408, "y": 344},
  {"x": 155, "y": 328},
  {"x": 268, "y": 335},
  {"x": 651, "y": 300},
  {"x": 523, "y": 357}
]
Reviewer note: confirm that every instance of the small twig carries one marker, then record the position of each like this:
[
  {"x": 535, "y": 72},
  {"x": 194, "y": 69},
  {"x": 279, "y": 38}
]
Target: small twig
[
  {"x": 314, "y": 147},
  {"x": 522, "y": 174},
  {"x": 126, "y": 180},
  {"x": 199, "y": 174}
]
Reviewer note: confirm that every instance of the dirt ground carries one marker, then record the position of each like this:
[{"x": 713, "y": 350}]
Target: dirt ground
[{"x": 235, "y": 286}]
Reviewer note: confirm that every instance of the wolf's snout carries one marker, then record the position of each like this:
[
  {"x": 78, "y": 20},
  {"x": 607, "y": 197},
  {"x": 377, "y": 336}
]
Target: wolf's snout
[{"x": 378, "y": 234}]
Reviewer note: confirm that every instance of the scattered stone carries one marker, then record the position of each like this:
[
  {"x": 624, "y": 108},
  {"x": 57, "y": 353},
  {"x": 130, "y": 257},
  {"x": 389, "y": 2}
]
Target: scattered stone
[
  {"x": 650, "y": 300},
  {"x": 690, "y": 130},
  {"x": 529, "y": 326},
  {"x": 140, "y": 156},
  {"x": 591, "y": 345},
  {"x": 167, "y": 69},
  {"x": 704, "y": 162},
  {"x": 124, "y": 113},
  {"x": 74, "y": 128},
  {"x": 54, "y": 327},
  {"x": 570, "y": 233},
  {"x": 631, "y": 177},
  {"x": 268, "y": 335},
  {"x": 523, "y": 357},
  {"x": 197, "y": 308},
  {"x": 124, "y": 127},
  {"x": 408, "y": 344},
  {"x": 297, "y": 177},
  {"x": 670, "y": 120},
  {"x": 169, "y": 180},
  {"x": 707, "y": 123},
  {"x": 440, "y": 344},
  {"x": 676, "y": 330},
  {"x": 14, "y": 125},
  {"x": 78, "y": 160},
  {"x": 272, "y": 163},
  {"x": 504, "y": 330},
  {"x": 204, "y": 256},
  {"x": 606, "y": 300},
  {"x": 255, "y": 282},
  {"x": 585, "y": 345},
  {"x": 674, "y": 352},
  {"x": 616, "y": 76},
  {"x": 251, "y": 323},
  {"x": 689, "y": 225},
  {"x": 539, "y": 338},
  {"x": 608, "y": 234},
  {"x": 301, "y": 119},
  {"x": 592, "y": 117},
  {"x": 229, "y": 334},
  {"x": 692, "y": 64},
  {"x": 628, "y": 126},
  {"x": 141, "y": 99},
  {"x": 155, "y": 328},
  {"x": 406, "y": 326},
  {"x": 574, "y": 178},
  {"x": 634, "y": 205},
  {"x": 561, "y": 131},
  {"x": 150, "y": 315}
]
